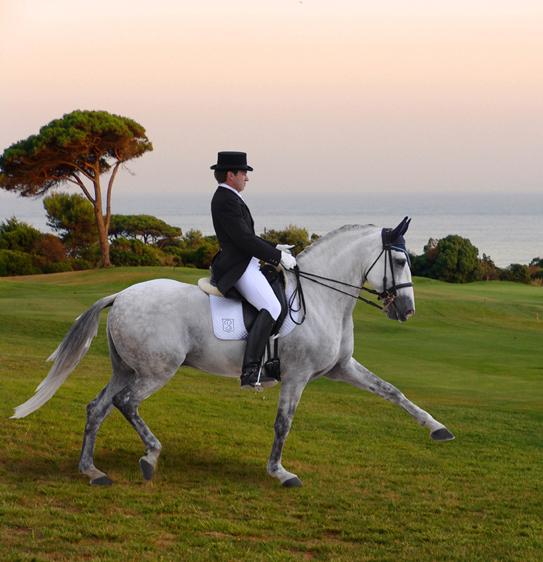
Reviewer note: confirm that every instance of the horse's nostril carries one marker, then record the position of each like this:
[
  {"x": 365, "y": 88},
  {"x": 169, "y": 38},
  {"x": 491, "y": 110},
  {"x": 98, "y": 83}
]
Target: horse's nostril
[{"x": 410, "y": 313}]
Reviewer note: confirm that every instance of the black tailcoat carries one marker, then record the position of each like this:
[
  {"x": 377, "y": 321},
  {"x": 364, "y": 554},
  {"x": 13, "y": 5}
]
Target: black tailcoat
[{"x": 238, "y": 242}]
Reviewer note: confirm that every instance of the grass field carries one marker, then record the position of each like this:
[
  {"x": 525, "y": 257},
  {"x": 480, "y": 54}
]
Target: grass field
[{"x": 376, "y": 487}]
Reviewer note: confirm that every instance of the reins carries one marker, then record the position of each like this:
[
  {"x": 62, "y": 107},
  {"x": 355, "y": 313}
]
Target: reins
[
  {"x": 313, "y": 277},
  {"x": 387, "y": 296}
]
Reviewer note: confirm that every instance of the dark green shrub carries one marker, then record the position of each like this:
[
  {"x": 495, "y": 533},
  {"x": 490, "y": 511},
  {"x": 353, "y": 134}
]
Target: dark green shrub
[
  {"x": 536, "y": 270},
  {"x": 516, "y": 272},
  {"x": 291, "y": 235},
  {"x": 58, "y": 267},
  {"x": 536, "y": 273},
  {"x": 72, "y": 216},
  {"x": 193, "y": 249},
  {"x": 80, "y": 264},
  {"x": 452, "y": 259},
  {"x": 419, "y": 265},
  {"x": 18, "y": 236},
  {"x": 132, "y": 253},
  {"x": 16, "y": 263},
  {"x": 176, "y": 253}
]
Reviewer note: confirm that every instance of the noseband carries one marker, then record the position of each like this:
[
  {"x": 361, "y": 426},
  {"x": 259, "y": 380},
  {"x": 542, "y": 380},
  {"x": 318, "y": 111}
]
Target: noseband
[{"x": 386, "y": 297}]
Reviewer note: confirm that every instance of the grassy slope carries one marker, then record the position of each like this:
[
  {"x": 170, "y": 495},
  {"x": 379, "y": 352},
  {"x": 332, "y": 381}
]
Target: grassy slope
[{"x": 376, "y": 487}]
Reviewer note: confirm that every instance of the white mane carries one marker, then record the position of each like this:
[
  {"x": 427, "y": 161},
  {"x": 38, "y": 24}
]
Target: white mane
[{"x": 323, "y": 241}]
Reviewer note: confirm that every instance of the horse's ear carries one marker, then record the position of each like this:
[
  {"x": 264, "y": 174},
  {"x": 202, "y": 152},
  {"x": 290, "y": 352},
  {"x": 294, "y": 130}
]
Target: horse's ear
[{"x": 400, "y": 230}]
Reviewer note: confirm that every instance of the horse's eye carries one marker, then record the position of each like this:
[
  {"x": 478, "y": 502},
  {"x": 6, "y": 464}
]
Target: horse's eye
[{"x": 401, "y": 263}]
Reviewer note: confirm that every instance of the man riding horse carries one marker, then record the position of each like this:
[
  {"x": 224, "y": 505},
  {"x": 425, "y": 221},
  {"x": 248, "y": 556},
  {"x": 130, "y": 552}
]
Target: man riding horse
[{"x": 236, "y": 265}]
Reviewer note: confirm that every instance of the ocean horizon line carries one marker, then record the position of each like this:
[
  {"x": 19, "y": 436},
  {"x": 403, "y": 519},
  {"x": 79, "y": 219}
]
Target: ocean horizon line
[{"x": 505, "y": 226}]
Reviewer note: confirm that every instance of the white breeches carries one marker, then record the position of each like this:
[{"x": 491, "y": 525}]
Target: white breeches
[{"x": 256, "y": 289}]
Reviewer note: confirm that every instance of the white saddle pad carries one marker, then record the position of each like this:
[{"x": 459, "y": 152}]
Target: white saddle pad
[{"x": 227, "y": 315}]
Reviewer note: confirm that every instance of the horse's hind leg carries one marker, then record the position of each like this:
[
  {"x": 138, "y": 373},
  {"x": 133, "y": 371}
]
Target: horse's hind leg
[
  {"x": 97, "y": 411},
  {"x": 127, "y": 402},
  {"x": 357, "y": 375}
]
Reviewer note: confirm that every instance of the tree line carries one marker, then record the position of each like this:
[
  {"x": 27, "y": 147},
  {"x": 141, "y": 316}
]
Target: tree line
[
  {"x": 133, "y": 240},
  {"x": 144, "y": 240}
]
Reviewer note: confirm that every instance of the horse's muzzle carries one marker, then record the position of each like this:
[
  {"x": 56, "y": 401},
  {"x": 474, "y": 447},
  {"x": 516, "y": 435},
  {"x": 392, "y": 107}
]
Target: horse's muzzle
[{"x": 401, "y": 309}]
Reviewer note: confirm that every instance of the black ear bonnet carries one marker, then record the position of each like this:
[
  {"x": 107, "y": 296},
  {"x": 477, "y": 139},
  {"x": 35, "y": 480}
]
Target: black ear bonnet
[{"x": 394, "y": 239}]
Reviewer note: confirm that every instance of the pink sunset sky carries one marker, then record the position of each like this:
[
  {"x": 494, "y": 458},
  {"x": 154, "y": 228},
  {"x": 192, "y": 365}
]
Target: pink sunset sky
[{"x": 324, "y": 95}]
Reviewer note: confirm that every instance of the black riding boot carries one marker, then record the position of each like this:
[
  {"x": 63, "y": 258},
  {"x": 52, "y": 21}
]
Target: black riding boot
[{"x": 256, "y": 343}]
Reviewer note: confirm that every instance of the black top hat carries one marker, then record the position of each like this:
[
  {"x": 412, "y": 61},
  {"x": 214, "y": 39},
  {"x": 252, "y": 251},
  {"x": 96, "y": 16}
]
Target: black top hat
[{"x": 232, "y": 161}]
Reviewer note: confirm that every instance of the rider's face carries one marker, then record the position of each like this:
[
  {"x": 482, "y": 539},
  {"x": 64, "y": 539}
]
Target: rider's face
[{"x": 238, "y": 180}]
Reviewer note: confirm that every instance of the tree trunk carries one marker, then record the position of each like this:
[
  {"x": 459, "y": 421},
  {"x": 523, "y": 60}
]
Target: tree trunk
[
  {"x": 102, "y": 230},
  {"x": 104, "y": 241}
]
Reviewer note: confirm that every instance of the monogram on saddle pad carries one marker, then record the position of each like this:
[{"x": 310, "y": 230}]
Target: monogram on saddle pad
[{"x": 233, "y": 316}]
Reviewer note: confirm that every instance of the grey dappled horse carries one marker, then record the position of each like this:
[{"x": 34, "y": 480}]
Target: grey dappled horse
[{"x": 157, "y": 326}]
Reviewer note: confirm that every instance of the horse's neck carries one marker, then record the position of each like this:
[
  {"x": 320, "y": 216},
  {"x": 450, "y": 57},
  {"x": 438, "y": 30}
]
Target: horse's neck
[{"x": 343, "y": 254}]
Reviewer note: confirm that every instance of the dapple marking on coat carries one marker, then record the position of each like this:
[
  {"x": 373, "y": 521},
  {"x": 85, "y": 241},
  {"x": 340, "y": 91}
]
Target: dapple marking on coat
[{"x": 157, "y": 326}]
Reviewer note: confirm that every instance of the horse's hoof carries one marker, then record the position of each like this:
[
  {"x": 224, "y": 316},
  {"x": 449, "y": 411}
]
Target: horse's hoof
[
  {"x": 147, "y": 470},
  {"x": 291, "y": 482},
  {"x": 442, "y": 434},
  {"x": 101, "y": 481}
]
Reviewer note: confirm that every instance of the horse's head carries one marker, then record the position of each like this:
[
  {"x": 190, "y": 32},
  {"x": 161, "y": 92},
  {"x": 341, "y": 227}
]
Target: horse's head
[{"x": 390, "y": 274}]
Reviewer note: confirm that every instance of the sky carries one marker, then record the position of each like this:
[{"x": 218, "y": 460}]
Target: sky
[{"x": 324, "y": 95}]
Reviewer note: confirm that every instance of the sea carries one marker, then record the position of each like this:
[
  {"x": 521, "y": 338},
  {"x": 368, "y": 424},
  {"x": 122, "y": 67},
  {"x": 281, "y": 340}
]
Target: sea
[{"x": 507, "y": 227}]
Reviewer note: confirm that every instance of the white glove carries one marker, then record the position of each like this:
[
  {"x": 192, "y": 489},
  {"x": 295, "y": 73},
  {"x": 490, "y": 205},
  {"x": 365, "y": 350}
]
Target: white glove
[
  {"x": 284, "y": 247},
  {"x": 288, "y": 261}
]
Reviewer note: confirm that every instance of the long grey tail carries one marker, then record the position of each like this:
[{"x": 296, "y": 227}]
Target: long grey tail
[{"x": 73, "y": 348}]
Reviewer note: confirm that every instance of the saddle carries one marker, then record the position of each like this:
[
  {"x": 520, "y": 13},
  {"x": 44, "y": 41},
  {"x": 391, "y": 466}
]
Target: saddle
[
  {"x": 225, "y": 308},
  {"x": 278, "y": 281}
]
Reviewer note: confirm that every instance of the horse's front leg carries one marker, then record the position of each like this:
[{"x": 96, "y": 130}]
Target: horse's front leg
[
  {"x": 357, "y": 375},
  {"x": 291, "y": 391}
]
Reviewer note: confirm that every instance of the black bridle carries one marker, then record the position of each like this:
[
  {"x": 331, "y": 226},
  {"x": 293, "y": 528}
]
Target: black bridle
[{"x": 387, "y": 296}]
